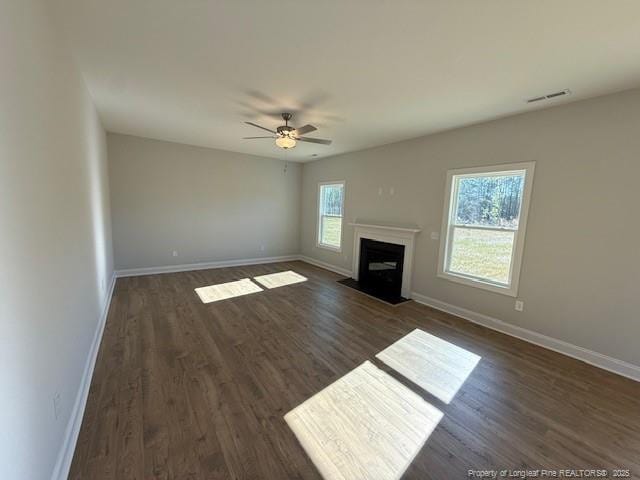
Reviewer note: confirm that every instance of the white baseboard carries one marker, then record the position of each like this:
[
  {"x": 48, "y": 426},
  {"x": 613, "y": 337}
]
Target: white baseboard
[
  {"x": 593, "y": 358},
  {"x": 65, "y": 456},
  {"x": 134, "y": 272},
  {"x": 326, "y": 266}
]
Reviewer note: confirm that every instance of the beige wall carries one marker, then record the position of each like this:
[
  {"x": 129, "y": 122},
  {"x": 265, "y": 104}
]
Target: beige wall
[
  {"x": 581, "y": 269},
  {"x": 55, "y": 242},
  {"x": 209, "y": 205}
]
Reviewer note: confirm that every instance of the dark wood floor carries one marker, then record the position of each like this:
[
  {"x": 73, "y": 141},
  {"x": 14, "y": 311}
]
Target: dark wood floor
[{"x": 186, "y": 390}]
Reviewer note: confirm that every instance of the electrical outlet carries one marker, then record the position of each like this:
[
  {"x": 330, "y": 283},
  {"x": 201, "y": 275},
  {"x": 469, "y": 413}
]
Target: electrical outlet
[
  {"x": 519, "y": 305},
  {"x": 175, "y": 253},
  {"x": 435, "y": 235},
  {"x": 262, "y": 248},
  {"x": 392, "y": 191},
  {"x": 56, "y": 405}
]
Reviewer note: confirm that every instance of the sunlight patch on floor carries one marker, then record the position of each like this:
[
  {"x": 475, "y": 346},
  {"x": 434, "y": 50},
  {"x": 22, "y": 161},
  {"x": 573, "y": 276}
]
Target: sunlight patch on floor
[
  {"x": 280, "y": 279},
  {"x": 364, "y": 425},
  {"x": 222, "y": 291},
  {"x": 434, "y": 364}
]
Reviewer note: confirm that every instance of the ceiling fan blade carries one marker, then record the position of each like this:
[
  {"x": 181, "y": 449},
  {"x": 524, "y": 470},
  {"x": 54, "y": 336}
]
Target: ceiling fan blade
[
  {"x": 256, "y": 125},
  {"x": 314, "y": 140},
  {"x": 305, "y": 129},
  {"x": 250, "y": 138}
]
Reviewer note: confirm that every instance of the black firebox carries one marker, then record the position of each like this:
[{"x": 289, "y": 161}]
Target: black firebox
[{"x": 380, "y": 272}]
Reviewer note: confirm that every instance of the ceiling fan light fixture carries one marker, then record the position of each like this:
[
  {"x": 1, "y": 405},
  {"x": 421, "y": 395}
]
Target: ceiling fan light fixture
[
  {"x": 287, "y": 136},
  {"x": 285, "y": 142}
]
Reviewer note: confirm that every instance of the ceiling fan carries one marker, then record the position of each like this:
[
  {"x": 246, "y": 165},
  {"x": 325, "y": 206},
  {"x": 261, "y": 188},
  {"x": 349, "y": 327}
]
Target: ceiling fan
[{"x": 287, "y": 136}]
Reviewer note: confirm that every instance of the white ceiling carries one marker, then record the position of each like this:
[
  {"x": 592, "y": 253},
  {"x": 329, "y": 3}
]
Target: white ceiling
[{"x": 365, "y": 72}]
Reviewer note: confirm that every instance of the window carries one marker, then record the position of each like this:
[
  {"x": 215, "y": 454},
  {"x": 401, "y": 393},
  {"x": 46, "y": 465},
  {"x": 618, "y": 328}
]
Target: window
[
  {"x": 330, "y": 213},
  {"x": 483, "y": 226}
]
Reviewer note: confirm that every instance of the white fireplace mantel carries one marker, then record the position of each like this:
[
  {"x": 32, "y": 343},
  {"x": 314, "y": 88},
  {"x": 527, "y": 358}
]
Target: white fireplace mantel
[{"x": 390, "y": 233}]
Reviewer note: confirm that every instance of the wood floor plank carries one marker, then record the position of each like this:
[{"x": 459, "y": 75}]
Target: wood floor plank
[{"x": 184, "y": 389}]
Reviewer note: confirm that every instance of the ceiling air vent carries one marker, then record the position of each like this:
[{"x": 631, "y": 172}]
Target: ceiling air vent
[{"x": 549, "y": 96}]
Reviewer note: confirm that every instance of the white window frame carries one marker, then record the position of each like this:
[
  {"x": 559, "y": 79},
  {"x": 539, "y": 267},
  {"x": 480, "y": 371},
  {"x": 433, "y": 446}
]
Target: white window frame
[
  {"x": 319, "y": 244},
  {"x": 446, "y": 237}
]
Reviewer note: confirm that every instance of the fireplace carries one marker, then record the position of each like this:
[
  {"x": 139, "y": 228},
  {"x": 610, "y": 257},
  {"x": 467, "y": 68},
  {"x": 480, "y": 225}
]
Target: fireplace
[
  {"x": 380, "y": 269},
  {"x": 382, "y": 260}
]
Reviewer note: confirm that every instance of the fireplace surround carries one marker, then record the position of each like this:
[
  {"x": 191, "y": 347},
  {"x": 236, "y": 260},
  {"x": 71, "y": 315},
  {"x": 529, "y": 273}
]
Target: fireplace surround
[{"x": 382, "y": 244}]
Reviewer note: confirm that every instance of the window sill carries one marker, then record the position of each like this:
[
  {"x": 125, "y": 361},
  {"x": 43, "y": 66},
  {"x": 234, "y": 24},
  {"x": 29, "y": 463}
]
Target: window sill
[
  {"x": 511, "y": 291},
  {"x": 329, "y": 247}
]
